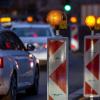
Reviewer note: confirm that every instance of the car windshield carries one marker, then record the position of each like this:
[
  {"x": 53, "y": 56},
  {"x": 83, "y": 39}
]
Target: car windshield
[{"x": 32, "y": 32}]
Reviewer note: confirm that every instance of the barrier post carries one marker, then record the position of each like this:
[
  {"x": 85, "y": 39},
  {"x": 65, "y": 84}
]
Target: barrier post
[
  {"x": 57, "y": 80},
  {"x": 74, "y": 43},
  {"x": 92, "y": 66}
]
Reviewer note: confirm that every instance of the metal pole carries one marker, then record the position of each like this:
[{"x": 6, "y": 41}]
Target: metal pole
[
  {"x": 91, "y": 98},
  {"x": 92, "y": 32},
  {"x": 92, "y": 51}
]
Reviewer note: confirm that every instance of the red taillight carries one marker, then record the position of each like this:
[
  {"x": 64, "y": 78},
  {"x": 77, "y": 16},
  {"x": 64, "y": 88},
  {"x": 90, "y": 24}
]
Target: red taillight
[
  {"x": 1, "y": 62},
  {"x": 45, "y": 45}
]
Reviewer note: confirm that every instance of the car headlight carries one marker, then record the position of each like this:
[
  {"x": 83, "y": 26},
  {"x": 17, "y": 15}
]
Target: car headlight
[
  {"x": 37, "y": 60},
  {"x": 30, "y": 55}
]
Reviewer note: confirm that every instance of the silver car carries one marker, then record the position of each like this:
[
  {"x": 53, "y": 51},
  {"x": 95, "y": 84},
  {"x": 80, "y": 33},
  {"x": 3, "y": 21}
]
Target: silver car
[
  {"x": 35, "y": 34},
  {"x": 18, "y": 68}
]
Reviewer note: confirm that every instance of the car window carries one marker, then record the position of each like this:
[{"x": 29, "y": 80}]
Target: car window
[
  {"x": 9, "y": 41},
  {"x": 17, "y": 42},
  {"x": 3, "y": 40},
  {"x": 32, "y": 32}
]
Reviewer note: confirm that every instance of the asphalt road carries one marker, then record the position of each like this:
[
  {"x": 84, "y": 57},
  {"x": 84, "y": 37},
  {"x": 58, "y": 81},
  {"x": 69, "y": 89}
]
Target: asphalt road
[
  {"x": 75, "y": 79},
  {"x": 76, "y": 71},
  {"x": 42, "y": 95}
]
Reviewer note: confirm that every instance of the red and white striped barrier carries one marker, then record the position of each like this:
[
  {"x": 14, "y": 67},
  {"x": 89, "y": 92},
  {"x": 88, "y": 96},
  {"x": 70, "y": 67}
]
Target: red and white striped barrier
[
  {"x": 74, "y": 37},
  {"x": 92, "y": 66},
  {"x": 57, "y": 88}
]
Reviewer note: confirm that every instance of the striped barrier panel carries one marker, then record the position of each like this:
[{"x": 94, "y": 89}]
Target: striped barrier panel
[
  {"x": 57, "y": 87},
  {"x": 74, "y": 37},
  {"x": 92, "y": 66}
]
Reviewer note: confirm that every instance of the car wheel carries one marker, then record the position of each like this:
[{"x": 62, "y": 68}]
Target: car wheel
[
  {"x": 36, "y": 81},
  {"x": 33, "y": 90},
  {"x": 12, "y": 91}
]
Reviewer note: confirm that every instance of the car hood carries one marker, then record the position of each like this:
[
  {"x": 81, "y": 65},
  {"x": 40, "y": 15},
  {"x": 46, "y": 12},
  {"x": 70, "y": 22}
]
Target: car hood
[{"x": 32, "y": 39}]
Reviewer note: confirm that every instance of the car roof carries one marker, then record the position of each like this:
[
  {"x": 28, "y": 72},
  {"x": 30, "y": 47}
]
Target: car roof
[
  {"x": 25, "y": 24},
  {"x": 6, "y": 30},
  {"x": 1, "y": 27}
]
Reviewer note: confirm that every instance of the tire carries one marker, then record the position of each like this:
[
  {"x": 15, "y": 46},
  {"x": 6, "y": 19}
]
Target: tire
[
  {"x": 36, "y": 82},
  {"x": 33, "y": 90},
  {"x": 11, "y": 95}
]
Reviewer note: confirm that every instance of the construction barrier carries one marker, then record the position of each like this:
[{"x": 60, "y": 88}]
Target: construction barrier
[
  {"x": 74, "y": 37},
  {"x": 92, "y": 66},
  {"x": 57, "y": 87}
]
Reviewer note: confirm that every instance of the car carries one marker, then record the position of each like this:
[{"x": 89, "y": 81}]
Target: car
[
  {"x": 19, "y": 69},
  {"x": 37, "y": 35}
]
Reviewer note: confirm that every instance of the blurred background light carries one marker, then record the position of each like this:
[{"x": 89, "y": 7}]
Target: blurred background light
[
  {"x": 67, "y": 7},
  {"x": 90, "y": 21}
]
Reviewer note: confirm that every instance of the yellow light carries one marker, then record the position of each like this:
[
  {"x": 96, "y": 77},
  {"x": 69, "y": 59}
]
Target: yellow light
[
  {"x": 5, "y": 19},
  {"x": 98, "y": 21},
  {"x": 90, "y": 21},
  {"x": 97, "y": 26},
  {"x": 73, "y": 20},
  {"x": 54, "y": 17},
  {"x": 30, "y": 19}
]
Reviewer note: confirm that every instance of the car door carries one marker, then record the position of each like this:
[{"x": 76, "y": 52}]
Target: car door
[{"x": 25, "y": 71}]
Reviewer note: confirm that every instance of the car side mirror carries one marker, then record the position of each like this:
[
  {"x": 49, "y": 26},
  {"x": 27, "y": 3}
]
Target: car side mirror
[{"x": 30, "y": 47}]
